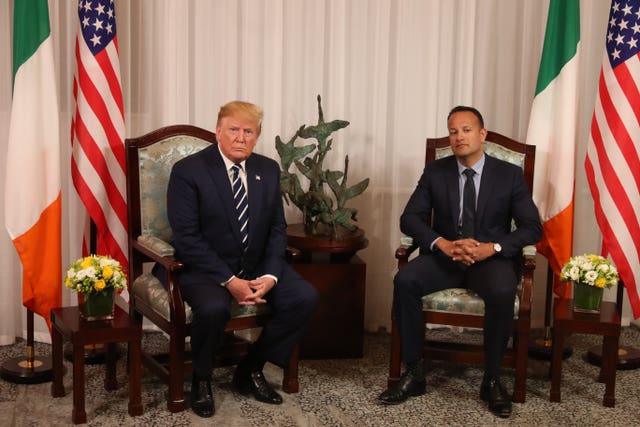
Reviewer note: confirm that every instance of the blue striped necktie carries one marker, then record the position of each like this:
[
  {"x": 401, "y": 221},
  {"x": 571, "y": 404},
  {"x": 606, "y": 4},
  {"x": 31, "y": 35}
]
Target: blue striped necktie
[{"x": 241, "y": 203}]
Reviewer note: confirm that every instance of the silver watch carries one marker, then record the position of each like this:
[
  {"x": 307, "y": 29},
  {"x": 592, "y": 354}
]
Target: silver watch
[{"x": 497, "y": 248}]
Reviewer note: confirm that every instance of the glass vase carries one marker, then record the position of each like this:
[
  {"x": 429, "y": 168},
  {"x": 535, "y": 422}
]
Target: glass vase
[
  {"x": 96, "y": 305},
  {"x": 586, "y": 298}
]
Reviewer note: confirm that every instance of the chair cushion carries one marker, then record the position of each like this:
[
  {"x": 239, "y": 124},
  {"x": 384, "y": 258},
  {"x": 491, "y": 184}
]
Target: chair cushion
[
  {"x": 459, "y": 300},
  {"x": 149, "y": 289}
]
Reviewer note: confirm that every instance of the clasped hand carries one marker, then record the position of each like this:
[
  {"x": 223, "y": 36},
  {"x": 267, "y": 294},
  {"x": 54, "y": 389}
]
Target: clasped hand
[
  {"x": 467, "y": 251},
  {"x": 250, "y": 292}
]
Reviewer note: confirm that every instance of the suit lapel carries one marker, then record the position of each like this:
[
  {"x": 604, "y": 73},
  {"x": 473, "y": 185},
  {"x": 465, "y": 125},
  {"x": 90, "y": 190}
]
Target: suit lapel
[
  {"x": 453, "y": 190},
  {"x": 487, "y": 183},
  {"x": 220, "y": 178},
  {"x": 254, "y": 182}
]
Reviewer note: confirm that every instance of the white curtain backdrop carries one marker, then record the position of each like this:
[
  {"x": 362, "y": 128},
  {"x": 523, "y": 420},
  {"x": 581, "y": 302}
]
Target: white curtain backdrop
[{"x": 393, "y": 68}]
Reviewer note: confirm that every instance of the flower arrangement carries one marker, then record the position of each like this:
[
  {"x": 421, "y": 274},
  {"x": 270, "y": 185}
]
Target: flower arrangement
[
  {"x": 592, "y": 270},
  {"x": 95, "y": 273}
]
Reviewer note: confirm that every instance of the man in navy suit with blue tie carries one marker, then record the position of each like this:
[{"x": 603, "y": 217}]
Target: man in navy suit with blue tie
[
  {"x": 225, "y": 209},
  {"x": 473, "y": 199}
]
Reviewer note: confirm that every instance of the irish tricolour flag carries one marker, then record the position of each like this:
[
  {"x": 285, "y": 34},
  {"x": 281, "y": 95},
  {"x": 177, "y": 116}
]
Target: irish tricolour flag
[
  {"x": 32, "y": 193},
  {"x": 553, "y": 130}
]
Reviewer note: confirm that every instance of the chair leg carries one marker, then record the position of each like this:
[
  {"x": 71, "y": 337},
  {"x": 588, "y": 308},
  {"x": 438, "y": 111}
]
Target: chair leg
[
  {"x": 522, "y": 358},
  {"x": 175, "y": 400},
  {"x": 290, "y": 376},
  {"x": 394, "y": 359}
]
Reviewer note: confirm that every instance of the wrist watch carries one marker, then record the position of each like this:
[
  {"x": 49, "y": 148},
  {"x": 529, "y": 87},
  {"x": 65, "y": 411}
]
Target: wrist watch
[{"x": 497, "y": 248}]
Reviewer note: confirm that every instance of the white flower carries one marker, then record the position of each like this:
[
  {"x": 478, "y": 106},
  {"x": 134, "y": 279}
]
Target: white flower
[
  {"x": 590, "y": 269},
  {"x": 590, "y": 277},
  {"x": 83, "y": 274}
]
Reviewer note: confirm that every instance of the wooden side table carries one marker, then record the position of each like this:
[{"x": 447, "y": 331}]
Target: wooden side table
[
  {"x": 605, "y": 323},
  {"x": 67, "y": 323}
]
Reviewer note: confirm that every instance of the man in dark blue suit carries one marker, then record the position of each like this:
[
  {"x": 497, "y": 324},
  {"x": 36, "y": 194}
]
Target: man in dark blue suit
[
  {"x": 230, "y": 254},
  {"x": 480, "y": 254}
]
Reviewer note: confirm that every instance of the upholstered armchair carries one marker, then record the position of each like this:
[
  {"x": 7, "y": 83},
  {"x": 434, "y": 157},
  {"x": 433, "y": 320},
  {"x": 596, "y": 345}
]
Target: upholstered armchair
[
  {"x": 149, "y": 162},
  {"x": 462, "y": 307}
]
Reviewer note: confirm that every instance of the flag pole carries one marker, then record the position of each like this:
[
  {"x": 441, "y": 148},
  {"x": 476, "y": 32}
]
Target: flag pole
[
  {"x": 541, "y": 347},
  {"x": 27, "y": 369},
  {"x": 628, "y": 357}
]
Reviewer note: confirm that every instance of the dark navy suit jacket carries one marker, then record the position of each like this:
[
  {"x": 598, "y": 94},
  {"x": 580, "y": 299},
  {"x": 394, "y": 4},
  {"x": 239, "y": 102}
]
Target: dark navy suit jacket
[
  {"x": 206, "y": 233},
  {"x": 503, "y": 196}
]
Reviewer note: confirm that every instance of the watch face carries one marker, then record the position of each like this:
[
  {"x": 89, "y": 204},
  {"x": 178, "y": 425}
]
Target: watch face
[{"x": 497, "y": 247}]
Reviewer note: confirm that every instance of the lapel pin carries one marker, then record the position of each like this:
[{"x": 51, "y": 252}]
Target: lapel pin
[{"x": 257, "y": 177}]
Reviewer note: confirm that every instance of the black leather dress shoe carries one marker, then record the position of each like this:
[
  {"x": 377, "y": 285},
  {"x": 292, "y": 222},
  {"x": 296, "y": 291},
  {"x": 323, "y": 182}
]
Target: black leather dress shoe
[
  {"x": 254, "y": 382},
  {"x": 411, "y": 383},
  {"x": 202, "y": 397},
  {"x": 492, "y": 392}
]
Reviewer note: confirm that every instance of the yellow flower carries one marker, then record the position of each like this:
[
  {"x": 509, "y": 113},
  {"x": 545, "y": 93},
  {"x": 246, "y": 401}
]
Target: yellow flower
[
  {"x": 107, "y": 272},
  {"x": 86, "y": 262},
  {"x": 600, "y": 282},
  {"x": 99, "y": 285},
  {"x": 67, "y": 282}
]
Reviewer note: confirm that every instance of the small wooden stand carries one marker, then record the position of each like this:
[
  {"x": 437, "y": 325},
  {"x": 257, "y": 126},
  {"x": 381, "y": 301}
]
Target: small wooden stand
[
  {"x": 337, "y": 328},
  {"x": 606, "y": 323},
  {"x": 66, "y": 323}
]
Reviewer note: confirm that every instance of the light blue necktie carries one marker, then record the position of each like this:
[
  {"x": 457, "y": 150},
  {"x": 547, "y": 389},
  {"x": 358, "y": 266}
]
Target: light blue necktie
[{"x": 241, "y": 203}]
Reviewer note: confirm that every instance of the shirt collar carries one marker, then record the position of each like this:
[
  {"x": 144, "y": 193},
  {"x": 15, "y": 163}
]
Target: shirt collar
[
  {"x": 228, "y": 163},
  {"x": 477, "y": 166}
]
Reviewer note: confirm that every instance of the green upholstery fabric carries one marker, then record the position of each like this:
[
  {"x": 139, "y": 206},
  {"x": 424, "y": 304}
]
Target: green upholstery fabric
[
  {"x": 460, "y": 300},
  {"x": 155, "y": 163},
  {"x": 494, "y": 150},
  {"x": 149, "y": 289}
]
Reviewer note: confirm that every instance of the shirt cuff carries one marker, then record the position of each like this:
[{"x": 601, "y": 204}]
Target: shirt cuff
[
  {"x": 228, "y": 280},
  {"x": 270, "y": 276},
  {"x": 433, "y": 246}
]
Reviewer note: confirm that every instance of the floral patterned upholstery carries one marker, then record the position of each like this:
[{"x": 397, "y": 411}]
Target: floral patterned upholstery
[
  {"x": 155, "y": 163},
  {"x": 461, "y": 300}
]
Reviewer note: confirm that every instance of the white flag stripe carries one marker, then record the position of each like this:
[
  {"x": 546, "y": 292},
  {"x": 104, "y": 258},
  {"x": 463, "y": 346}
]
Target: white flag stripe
[
  {"x": 612, "y": 150},
  {"x": 614, "y": 217},
  {"x": 100, "y": 82},
  {"x": 623, "y": 107},
  {"x": 560, "y": 157},
  {"x": 93, "y": 180},
  {"x": 28, "y": 195},
  {"x": 94, "y": 127}
]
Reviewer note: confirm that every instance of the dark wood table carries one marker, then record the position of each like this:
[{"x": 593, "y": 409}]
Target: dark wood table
[
  {"x": 67, "y": 323},
  {"x": 605, "y": 323},
  {"x": 336, "y": 330}
]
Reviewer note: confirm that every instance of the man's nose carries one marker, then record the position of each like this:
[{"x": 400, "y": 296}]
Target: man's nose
[{"x": 241, "y": 136}]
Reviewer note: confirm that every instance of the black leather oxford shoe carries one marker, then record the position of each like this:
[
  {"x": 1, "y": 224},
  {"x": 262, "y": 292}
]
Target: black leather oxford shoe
[
  {"x": 202, "y": 397},
  {"x": 411, "y": 383},
  {"x": 493, "y": 392},
  {"x": 254, "y": 382}
]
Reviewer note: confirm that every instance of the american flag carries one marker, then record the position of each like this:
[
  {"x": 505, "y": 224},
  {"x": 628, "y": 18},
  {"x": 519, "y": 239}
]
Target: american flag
[
  {"x": 97, "y": 128},
  {"x": 613, "y": 154}
]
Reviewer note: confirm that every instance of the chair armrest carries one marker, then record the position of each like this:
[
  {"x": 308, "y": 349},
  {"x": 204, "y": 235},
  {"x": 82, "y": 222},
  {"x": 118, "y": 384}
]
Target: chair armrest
[
  {"x": 293, "y": 254},
  {"x": 404, "y": 251},
  {"x": 153, "y": 249},
  {"x": 156, "y": 245},
  {"x": 528, "y": 267}
]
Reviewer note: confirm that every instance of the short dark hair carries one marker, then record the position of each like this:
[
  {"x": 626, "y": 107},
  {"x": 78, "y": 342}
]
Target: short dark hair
[{"x": 472, "y": 110}]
